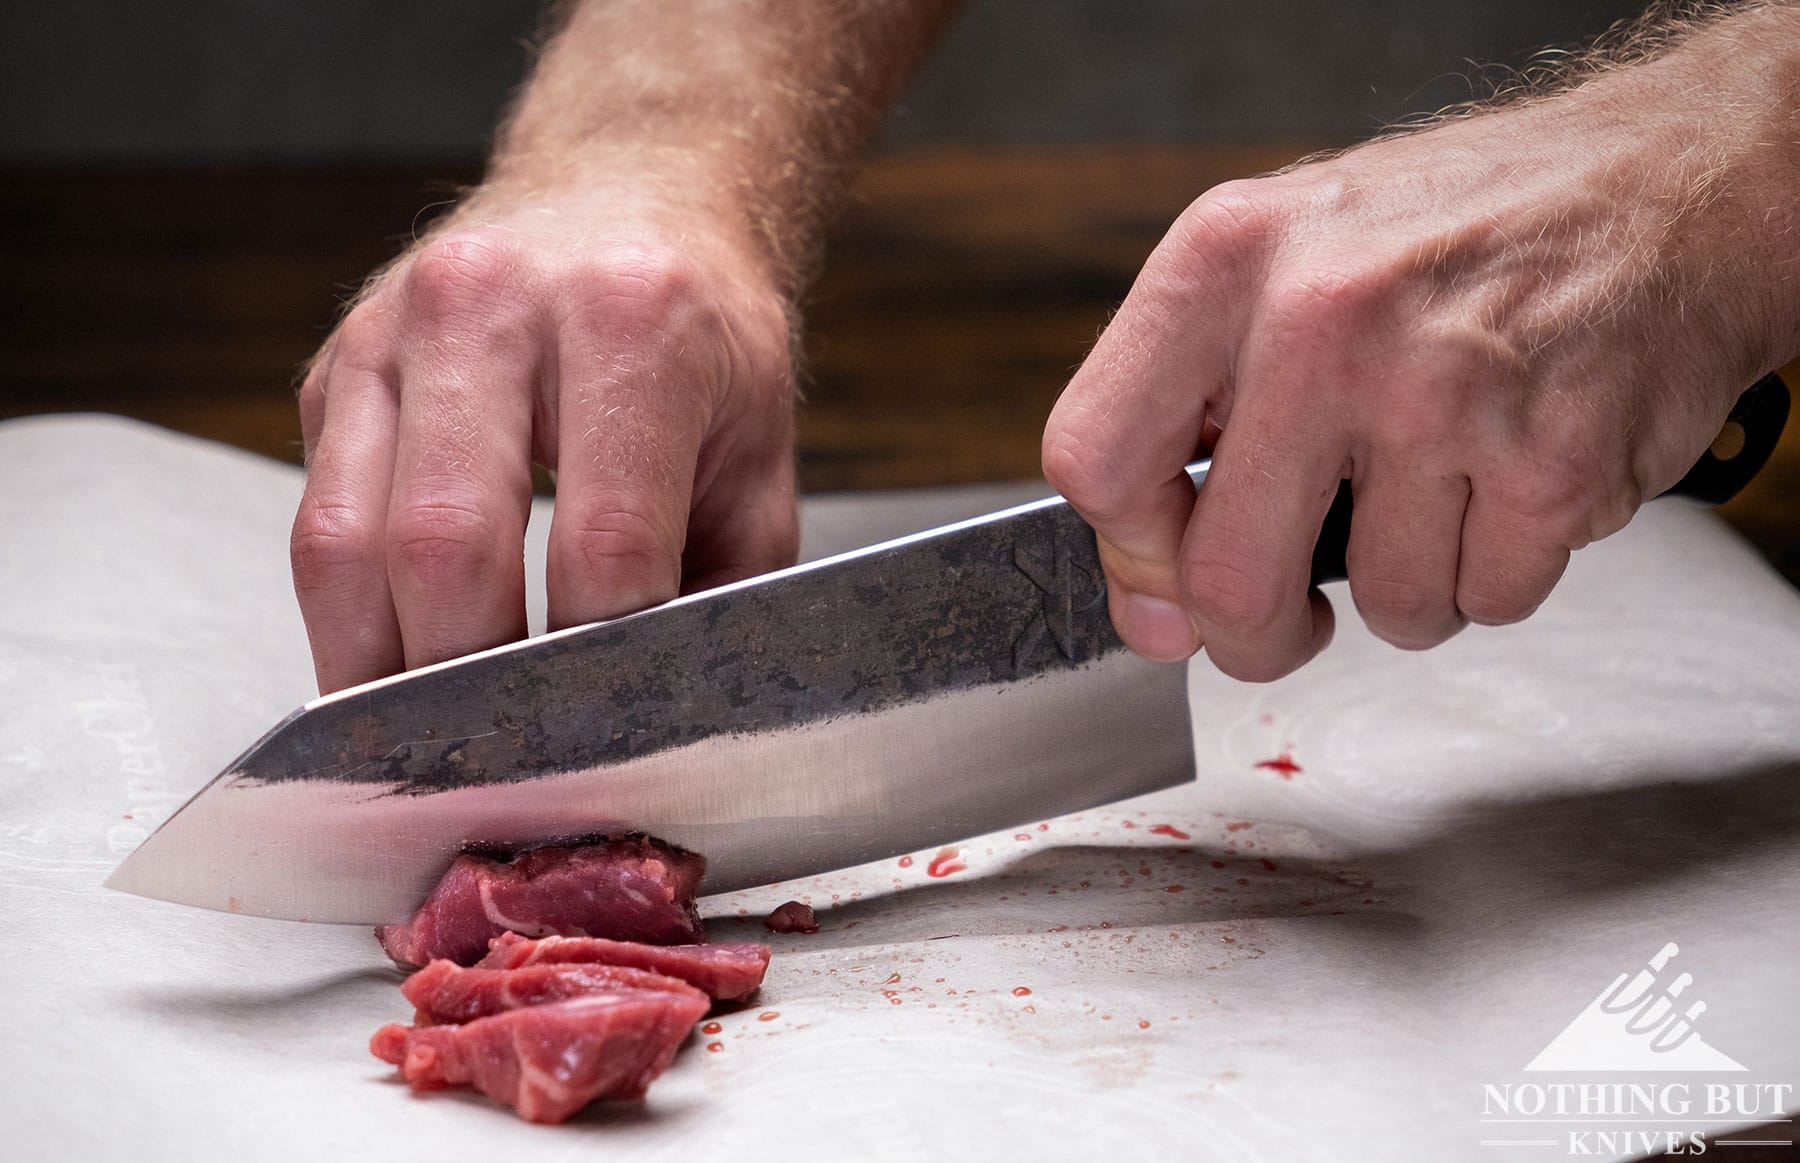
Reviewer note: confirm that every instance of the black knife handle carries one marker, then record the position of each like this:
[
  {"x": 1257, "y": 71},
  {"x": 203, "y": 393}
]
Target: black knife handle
[{"x": 1745, "y": 442}]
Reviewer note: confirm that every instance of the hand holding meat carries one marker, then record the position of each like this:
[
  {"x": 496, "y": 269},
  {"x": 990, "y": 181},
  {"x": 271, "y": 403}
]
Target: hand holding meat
[{"x": 1506, "y": 332}]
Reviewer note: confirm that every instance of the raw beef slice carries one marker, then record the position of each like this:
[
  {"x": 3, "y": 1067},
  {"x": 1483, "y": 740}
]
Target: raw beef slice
[
  {"x": 727, "y": 971},
  {"x": 548, "y": 1061},
  {"x": 446, "y": 993},
  {"x": 632, "y": 889}
]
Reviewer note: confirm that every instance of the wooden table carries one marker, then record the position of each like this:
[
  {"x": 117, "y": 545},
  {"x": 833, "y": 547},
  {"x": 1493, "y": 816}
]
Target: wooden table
[{"x": 962, "y": 289}]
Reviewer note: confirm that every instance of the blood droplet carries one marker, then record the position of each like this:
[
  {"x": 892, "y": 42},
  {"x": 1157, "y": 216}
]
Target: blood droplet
[
  {"x": 1218, "y": 864},
  {"x": 1170, "y": 830},
  {"x": 711, "y": 1028},
  {"x": 1268, "y": 865},
  {"x": 1043, "y": 827},
  {"x": 715, "y": 1047},
  {"x": 906, "y": 862},
  {"x": 1282, "y": 765},
  {"x": 946, "y": 862},
  {"x": 1129, "y": 824},
  {"x": 893, "y": 980},
  {"x": 1239, "y": 826},
  {"x": 1142, "y": 1024},
  {"x": 1174, "y": 888},
  {"x": 1021, "y": 991},
  {"x": 768, "y": 1015},
  {"x": 1031, "y": 1009}
]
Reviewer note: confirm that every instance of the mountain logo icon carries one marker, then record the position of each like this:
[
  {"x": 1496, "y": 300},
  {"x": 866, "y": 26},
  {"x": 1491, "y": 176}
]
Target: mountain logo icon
[{"x": 1637, "y": 1023}]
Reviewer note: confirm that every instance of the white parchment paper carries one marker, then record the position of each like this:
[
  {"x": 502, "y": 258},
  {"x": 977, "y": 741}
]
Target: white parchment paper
[{"x": 1395, "y": 879}]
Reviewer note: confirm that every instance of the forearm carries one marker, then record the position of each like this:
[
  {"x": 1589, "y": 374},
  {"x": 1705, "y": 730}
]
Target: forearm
[{"x": 742, "y": 114}]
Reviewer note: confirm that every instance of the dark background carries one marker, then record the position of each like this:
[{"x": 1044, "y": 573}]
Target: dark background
[
  {"x": 334, "y": 80},
  {"x": 189, "y": 188}
]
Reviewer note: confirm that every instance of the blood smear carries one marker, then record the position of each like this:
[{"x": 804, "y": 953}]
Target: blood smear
[
  {"x": 1283, "y": 765},
  {"x": 1170, "y": 830},
  {"x": 945, "y": 863}
]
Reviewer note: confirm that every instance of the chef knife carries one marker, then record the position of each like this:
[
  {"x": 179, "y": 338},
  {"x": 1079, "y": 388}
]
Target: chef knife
[{"x": 912, "y": 693}]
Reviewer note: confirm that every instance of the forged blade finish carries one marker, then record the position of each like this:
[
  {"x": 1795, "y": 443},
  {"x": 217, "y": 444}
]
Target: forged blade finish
[{"x": 913, "y": 693}]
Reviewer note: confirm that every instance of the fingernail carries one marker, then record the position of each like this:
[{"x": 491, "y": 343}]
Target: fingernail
[{"x": 1158, "y": 630}]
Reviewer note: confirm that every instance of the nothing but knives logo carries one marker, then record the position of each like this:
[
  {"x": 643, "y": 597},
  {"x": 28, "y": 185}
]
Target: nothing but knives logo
[{"x": 1641, "y": 1023}]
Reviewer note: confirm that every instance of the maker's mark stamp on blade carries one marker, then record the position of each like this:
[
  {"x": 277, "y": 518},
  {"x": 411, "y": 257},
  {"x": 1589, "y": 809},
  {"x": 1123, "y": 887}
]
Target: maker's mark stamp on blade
[{"x": 1071, "y": 591}]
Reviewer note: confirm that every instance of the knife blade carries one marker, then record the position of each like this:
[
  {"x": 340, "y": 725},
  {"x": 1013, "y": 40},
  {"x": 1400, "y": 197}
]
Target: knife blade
[{"x": 909, "y": 694}]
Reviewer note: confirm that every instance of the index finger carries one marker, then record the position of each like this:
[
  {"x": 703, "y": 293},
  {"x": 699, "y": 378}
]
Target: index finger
[{"x": 1121, "y": 435}]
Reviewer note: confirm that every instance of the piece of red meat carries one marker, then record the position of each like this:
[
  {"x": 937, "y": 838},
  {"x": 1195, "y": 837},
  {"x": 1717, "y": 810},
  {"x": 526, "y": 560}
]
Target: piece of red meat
[
  {"x": 631, "y": 889},
  {"x": 548, "y": 1061},
  {"x": 727, "y": 971},
  {"x": 445, "y": 993},
  {"x": 792, "y": 917}
]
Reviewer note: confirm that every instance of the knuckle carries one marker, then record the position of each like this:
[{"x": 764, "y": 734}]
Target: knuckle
[
  {"x": 441, "y": 543},
  {"x": 1403, "y": 613},
  {"x": 361, "y": 344},
  {"x": 1493, "y": 602},
  {"x": 458, "y": 277},
  {"x": 1075, "y": 464},
  {"x": 1573, "y": 494},
  {"x": 1231, "y": 593},
  {"x": 311, "y": 394},
  {"x": 1397, "y": 601},
  {"x": 636, "y": 287},
  {"x": 1225, "y": 221},
  {"x": 1257, "y": 666},
  {"x": 1327, "y": 299},
  {"x": 606, "y": 541},
  {"x": 329, "y": 542},
  {"x": 1218, "y": 235}
]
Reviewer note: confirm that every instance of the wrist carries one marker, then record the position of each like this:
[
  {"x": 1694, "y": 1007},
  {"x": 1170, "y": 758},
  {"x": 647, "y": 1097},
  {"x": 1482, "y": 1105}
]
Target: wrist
[
  {"x": 1725, "y": 109},
  {"x": 606, "y": 191}
]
